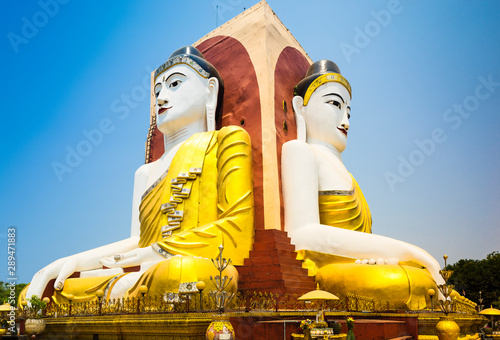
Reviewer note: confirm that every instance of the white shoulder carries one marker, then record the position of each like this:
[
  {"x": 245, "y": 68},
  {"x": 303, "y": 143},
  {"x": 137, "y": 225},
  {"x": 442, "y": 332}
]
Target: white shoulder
[
  {"x": 296, "y": 149},
  {"x": 145, "y": 169},
  {"x": 296, "y": 144}
]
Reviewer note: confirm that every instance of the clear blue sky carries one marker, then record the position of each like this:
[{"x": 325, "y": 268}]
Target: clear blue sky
[{"x": 69, "y": 70}]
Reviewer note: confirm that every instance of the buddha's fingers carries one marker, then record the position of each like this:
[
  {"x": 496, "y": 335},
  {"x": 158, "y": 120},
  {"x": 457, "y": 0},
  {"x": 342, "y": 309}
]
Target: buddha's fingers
[
  {"x": 37, "y": 285},
  {"x": 67, "y": 269},
  {"x": 42, "y": 278},
  {"x": 131, "y": 258},
  {"x": 119, "y": 260},
  {"x": 109, "y": 261}
]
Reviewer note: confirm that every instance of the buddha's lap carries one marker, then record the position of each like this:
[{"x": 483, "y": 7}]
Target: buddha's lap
[
  {"x": 165, "y": 276},
  {"x": 387, "y": 283}
]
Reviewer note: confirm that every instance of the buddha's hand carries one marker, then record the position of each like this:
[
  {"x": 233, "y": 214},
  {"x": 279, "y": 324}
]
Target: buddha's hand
[
  {"x": 134, "y": 257},
  {"x": 59, "y": 270}
]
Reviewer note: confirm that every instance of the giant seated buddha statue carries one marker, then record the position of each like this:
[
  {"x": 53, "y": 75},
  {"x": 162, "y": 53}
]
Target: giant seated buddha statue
[
  {"x": 326, "y": 214},
  {"x": 197, "y": 195}
]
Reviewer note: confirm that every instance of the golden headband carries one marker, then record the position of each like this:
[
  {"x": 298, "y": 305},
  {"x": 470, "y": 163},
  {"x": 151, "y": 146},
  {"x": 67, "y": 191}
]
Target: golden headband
[{"x": 326, "y": 78}]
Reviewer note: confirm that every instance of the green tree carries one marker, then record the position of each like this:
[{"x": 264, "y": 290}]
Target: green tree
[
  {"x": 496, "y": 303},
  {"x": 473, "y": 276},
  {"x": 5, "y": 291}
]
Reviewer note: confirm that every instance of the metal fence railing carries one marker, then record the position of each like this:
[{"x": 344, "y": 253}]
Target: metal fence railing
[{"x": 248, "y": 301}]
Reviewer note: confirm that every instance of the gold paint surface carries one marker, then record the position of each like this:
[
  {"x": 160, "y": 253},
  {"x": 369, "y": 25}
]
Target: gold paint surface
[
  {"x": 168, "y": 274},
  {"x": 388, "y": 283},
  {"x": 447, "y": 329},
  {"x": 348, "y": 210},
  {"x": 323, "y": 79},
  {"x": 219, "y": 208}
]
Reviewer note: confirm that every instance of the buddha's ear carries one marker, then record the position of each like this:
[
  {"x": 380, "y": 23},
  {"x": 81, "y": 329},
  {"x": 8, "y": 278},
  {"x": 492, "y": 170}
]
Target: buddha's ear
[
  {"x": 298, "y": 107},
  {"x": 213, "y": 92}
]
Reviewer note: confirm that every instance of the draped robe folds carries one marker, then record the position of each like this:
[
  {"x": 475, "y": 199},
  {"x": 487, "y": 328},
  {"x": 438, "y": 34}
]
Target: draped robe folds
[
  {"x": 207, "y": 208},
  {"x": 406, "y": 282},
  {"x": 207, "y": 194},
  {"x": 204, "y": 199},
  {"x": 345, "y": 209}
]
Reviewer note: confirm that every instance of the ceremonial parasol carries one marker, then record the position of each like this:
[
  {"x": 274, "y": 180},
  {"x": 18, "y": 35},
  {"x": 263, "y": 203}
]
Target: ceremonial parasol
[
  {"x": 6, "y": 308},
  {"x": 320, "y": 295},
  {"x": 491, "y": 312}
]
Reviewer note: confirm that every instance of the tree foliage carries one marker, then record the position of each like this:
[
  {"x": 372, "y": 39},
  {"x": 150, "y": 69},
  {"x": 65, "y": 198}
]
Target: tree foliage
[
  {"x": 5, "y": 291},
  {"x": 474, "y": 276}
]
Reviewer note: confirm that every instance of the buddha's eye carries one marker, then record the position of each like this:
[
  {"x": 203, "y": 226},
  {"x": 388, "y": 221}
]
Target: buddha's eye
[
  {"x": 157, "y": 89},
  {"x": 174, "y": 84},
  {"x": 334, "y": 103}
]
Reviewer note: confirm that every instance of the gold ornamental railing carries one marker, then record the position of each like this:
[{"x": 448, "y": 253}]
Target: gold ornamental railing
[
  {"x": 195, "y": 302},
  {"x": 359, "y": 303},
  {"x": 248, "y": 301},
  {"x": 464, "y": 306}
]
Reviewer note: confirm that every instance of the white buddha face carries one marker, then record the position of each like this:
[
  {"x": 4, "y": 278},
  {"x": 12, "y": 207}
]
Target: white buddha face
[
  {"x": 181, "y": 98},
  {"x": 327, "y": 115}
]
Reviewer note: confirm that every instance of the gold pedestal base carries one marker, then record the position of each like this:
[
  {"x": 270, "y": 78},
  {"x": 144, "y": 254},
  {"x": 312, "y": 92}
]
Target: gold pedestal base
[
  {"x": 469, "y": 325},
  {"x": 447, "y": 329},
  {"x": 335, "y": 336},
  {"x": 34, "y": 326},
  {"x": 220, "y": 328},
  {"x": 130, "y": 327},
  {"x": 190, "y": 326}
]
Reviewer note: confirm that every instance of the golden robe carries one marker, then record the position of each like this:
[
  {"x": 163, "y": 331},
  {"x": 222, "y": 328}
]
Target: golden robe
[
  {"x": 203, "y": 200},
  {"x": 345, "y": 209},
  {"x": 403, "y": 283}
]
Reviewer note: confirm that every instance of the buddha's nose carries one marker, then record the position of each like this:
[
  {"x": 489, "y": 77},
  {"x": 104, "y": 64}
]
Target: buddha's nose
[
  {"x": 162, "y": 98},
  {"x": 345, "y": 123}
]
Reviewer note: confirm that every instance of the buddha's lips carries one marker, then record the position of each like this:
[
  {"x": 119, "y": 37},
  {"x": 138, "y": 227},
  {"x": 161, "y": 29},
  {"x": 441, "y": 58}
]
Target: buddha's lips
[
  {"x": 344, "y": 131},
  {"x": 163, "y": 110}
]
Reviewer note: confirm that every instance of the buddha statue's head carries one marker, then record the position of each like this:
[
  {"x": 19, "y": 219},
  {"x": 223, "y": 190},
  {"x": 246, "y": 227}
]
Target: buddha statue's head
[
  {"x": 321, "y": 105},
  {"x": 188, "y": 90}
]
